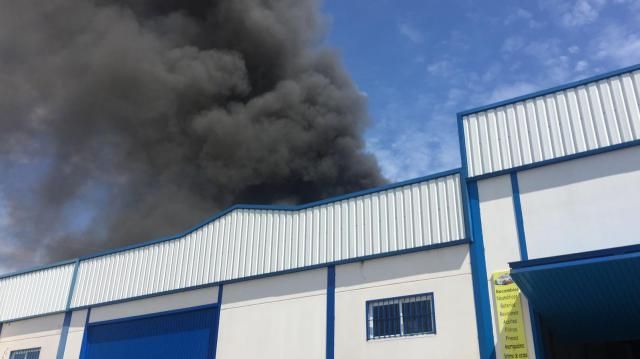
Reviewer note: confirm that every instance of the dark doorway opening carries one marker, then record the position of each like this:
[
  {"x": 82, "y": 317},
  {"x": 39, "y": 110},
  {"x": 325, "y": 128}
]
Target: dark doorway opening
[{"x": 557, "y": 347}]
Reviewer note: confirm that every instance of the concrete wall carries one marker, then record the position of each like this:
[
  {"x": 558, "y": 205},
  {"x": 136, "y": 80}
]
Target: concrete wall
[
  {"x": 75, "y": 334},
  {"x": 582, "y": 205},
  {"x": 44, "y": 332},
  {"x": 500, "y": 241},
  {"x": 285, "y": 316},
  {"x": 574, "y": 206},
  {"x": 181, "y": 300},
  {"x": 41, "y": 332},
  {"x": 280, "y": 317},
  {"x": 445, "y": 272}
]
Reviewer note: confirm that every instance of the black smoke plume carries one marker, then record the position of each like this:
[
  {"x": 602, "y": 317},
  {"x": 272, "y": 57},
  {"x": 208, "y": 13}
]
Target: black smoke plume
[{"x": 122, "y": 121}]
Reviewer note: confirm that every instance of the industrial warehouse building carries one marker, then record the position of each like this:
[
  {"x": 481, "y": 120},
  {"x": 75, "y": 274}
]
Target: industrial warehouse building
[{"x": 530, "y": 250}]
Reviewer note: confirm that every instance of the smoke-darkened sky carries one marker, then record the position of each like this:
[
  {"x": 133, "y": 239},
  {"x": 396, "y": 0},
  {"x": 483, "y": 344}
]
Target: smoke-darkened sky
[
  {"x": 84, "y": 85},
  {"x": 122, "y": 121}
]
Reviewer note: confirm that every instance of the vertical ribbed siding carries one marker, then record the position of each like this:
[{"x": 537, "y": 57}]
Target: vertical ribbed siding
[
  {"x": 588, "y": 117},
  {"x": 250, "y": 242},
  {"x": 34, "y": 293}
]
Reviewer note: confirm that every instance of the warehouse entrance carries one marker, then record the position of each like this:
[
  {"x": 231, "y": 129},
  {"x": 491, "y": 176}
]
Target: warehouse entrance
[
  {"x": 180, "y": 334},
  {"x": 555, "y": 347},
  {"x": 586, "y": 303}
]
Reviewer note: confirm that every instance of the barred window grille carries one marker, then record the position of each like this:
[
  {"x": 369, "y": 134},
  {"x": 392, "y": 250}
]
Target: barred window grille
[
  {"x": 33, "y": 353},
  {"x": 402, "y": 316}
]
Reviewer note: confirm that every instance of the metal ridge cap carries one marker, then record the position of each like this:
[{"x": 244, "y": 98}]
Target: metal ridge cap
[
  {"x": 547, "y": 91},
  {"x": 234, "y": 207}
]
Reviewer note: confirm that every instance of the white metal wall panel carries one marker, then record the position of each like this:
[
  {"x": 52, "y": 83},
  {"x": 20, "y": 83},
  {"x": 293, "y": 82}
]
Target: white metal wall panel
[
  {"x": 250, "y": 242},
  {"x": 588, "y": 117},
  {"x": 35, "y": 293}
]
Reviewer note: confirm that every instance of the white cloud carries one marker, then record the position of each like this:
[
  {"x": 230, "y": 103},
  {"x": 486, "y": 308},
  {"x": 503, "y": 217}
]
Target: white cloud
[
  {"x": 552, "y": 56},
  {"x": 619, "y": 45},
  {"x": 414, "y": 135},
  {"x": 506, "y": 92},
  {"x": 410, "y": 32},
  {"x": 634, "y": 6},
  {"x": 581, "y": 66},
  {"x": 512, "y": 44},
  {"x": 399, "y": 159},
  {"x": 454, "y": 97},
  {"x": 417, "y": 152},
  {"x": 576, "y": 13},
  {"x": 441, "y": 68},
  {"x": 520, "y": 16},
  {"x": 582, "y": 12},
  {"x": 630, "y": 2},
  {"x": 574, "y": 49},
  {"x": 544, "y": 48}
]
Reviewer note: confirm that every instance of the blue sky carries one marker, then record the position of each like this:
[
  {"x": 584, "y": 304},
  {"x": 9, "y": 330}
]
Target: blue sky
[{"x": 421, "y": 62}]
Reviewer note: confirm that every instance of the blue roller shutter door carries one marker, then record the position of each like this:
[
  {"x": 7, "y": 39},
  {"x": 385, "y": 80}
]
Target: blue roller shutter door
[{"x": 180, "y": 335}]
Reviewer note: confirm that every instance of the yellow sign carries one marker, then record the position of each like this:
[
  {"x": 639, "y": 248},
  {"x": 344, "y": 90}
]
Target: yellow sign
[{"x": 508, "y": 307}]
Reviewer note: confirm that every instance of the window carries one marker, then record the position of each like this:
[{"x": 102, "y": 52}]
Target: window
[
  {"x": 403, "y": 316},
  {"x": 25, "y": 354}
]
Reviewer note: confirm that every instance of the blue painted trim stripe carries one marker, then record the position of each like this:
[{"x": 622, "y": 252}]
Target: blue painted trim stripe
[
  {"x": 576, "y": 262},
  {"x": 522, "y": 241},
  {"x": 213, "y": 349},
  {"x": 83, "y": 348},
  {"x": 574, "y": 156},
  {"x": 517, "y": 210},
  {"x": 473, "y": 230},
  {"x": 600, "y": 253},
  {"x": 464, "y": 180},
  {"x": 484, "y": 319},
  {"x": 552, "y": 90},
  {"x": 64, "y": 333},
  {"x": 331, "y": 311},
  {"x": 72, "y": 287}
]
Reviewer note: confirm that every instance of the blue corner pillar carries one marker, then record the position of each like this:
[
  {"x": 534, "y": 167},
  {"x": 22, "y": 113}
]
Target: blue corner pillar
[
  {"x": 479, "y": 276},
  {"x": 331, "y": 310}
]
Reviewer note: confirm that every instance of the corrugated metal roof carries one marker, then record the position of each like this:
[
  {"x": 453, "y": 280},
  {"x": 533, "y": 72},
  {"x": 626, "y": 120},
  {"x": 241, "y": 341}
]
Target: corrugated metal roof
[
  {"x": 35, "y": 293},
  {"x": 590, "y": 116},
  {"x": 251, "y": 242}
]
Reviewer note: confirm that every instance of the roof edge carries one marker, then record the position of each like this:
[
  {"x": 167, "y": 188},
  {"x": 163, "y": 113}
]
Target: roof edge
[
  {"x": 547, "y": 91},
  {"x": 580, "y": 256},
  {"x": 239, "y": 207}
]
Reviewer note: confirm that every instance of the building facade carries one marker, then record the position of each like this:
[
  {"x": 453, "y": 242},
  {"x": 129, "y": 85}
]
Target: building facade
[{"x": 526, "y": 251}]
